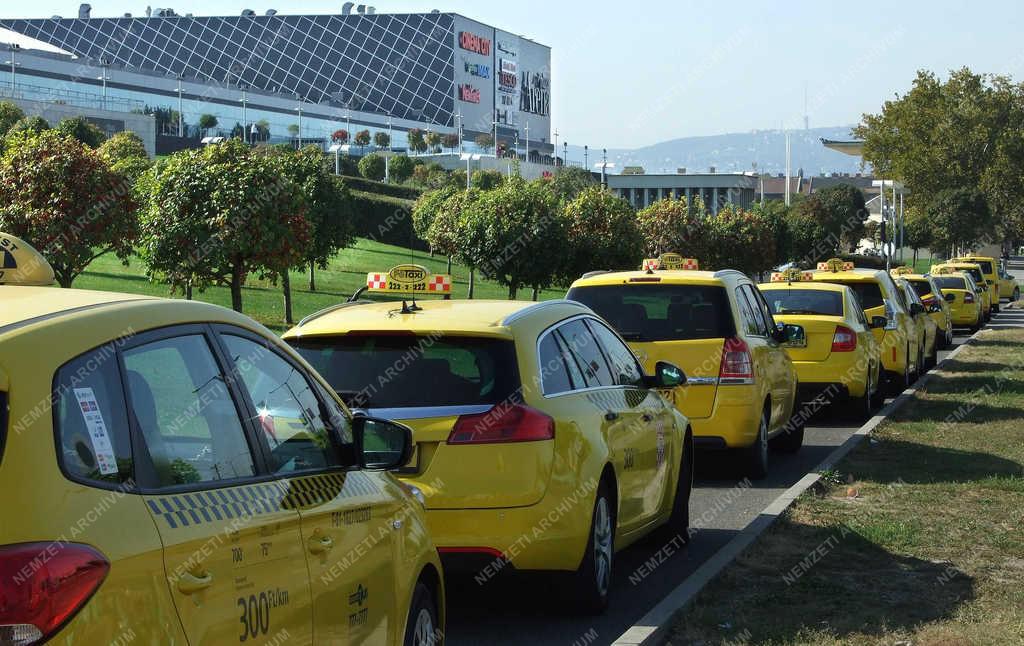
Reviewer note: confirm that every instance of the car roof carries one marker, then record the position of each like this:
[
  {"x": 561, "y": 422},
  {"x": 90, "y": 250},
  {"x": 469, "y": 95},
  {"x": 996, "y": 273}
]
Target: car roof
[
  {"x": 468, "y": 317},
  {"x": 24, "y": 304},
  {"x": 666, "y": 276},
  {"x": 859, "y": 274},
  {"x": 816, "y": 285}
]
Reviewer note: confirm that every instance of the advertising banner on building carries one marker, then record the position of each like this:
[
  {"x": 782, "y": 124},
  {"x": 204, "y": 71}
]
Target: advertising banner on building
[
  {"x": 475, "y": 74},
  {"x": 506, "y": 80}
]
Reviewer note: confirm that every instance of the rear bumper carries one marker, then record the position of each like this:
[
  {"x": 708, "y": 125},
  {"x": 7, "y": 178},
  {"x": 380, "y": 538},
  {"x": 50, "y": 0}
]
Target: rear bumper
[
  {"x": 847, "y": 374},
  {"x": 734, "y": 420}
]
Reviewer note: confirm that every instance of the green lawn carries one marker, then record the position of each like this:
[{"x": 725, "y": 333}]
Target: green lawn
[{"x": 264, "y": 302}]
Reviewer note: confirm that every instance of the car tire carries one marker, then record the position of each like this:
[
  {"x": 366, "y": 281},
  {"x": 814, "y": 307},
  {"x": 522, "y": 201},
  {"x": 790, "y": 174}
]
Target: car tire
[
  {"x": 1016, "y": 294},
  {"x": 593, "y": 578},
  {"x": 679, "y": 521},
  {"x": 878, "y": 397},
  {"x": 861, "y": 408},
  {"x": 757, "y": 453},
  {"x": 422, "y": 627},
  {"x": 791, "y": 438}
]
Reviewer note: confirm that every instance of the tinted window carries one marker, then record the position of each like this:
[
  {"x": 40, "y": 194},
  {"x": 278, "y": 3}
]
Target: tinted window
[
  {"x": 188, "y": 420},
  {"x": 92, "y": 422},
  {"x": 625, "y": 370},
  {"x": 804, "y": 301},
  {"x": 553, "y": 370},
  {"x": 649, "y": 312},
  {"x": 869, "y": 294},
  {"x": 986, "y": 266},
  {"x": 288, "y": 411},
  {"x": 761, "y": 307},
  {"x": 389, "y": 371},
  {"x": 950, "y": 282},
  {"x": 580, "y": 344},
  {"x": 922, "y": 287},
  {"x": 748, "y": 318}
]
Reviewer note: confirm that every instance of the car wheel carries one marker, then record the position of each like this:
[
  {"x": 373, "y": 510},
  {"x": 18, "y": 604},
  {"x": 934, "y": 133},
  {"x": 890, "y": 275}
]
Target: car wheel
[
  {"x": 757, "y": 453},
  {"x": 862, "y": 407},
  {"x": 791, "y": 438},
  {"x": 594, "y": 575},
  {"x": 422, "y": 628},
  {"x": 878, "y": 397},
  {"x": 934, "y": 359},
  {"x": 679, "y": 521},
  {"x": 1016, "y": 294},
  {"x": 949, "y": 336}
]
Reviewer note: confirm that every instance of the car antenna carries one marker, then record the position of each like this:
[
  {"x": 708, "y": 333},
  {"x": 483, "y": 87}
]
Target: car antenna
[{"x": 408, "y": 308}]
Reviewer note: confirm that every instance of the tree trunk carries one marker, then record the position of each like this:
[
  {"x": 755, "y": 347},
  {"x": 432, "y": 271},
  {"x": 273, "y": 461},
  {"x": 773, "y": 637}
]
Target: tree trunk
[
  {"x": 286, "y": 286},
  {"x": 188, "y": 290},
  {"x": 312, "y": 276},
  {"x": 236, "y": 288},
  {"x": 534, "y": 295},
  {"x": 512, "y": 292},
  {"x": 449, "y": 272},
  {"x": 472, "y": 283}
]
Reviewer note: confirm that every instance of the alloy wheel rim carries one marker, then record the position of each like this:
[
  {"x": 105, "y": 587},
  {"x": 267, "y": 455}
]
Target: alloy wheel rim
[
  {"x": 602, "y": 546},
  {"x": 423, "y": 634},
  {"x": 763, "y": 437}
]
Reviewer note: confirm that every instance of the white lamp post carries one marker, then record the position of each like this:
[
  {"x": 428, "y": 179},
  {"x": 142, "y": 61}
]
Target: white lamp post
[
  {"x": 469, "y": 157},
  {"x": 14, "y": 47}
]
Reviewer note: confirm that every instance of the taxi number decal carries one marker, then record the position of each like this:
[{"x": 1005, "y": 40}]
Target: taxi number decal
[
  {"x": 97, "y": 429},
  {"x": 255, "y": 617},
  {"x": 350, "y": 516},
  {"x": 629, "y": 459},
  {"x": 407, "y": 287},
  {"x": 661, "y": 443},
  {"x": 358, "y": 598}
]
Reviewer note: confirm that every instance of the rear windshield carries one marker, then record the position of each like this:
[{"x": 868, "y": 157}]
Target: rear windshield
[
  {"x": 950, "y": 282},
  {"x": 648, "y": 312},
  {"x": 922, "y": 287},
  {"x": 986, "y": 266},
  {"x": 975, "y": 274},
  {"x": 804, "y": 301},
  {"x": 869, "y": 294},
  {"x": 389, "y": 371}
]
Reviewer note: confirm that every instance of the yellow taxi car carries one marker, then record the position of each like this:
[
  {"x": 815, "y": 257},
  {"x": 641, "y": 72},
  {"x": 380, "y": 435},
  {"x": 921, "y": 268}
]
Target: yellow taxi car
[
  {"x": 990, "y": 274},
  {"x": 152, "y": 505},
  {"x": 925, "y": 324},
  {"x": 1008, "y": 286},
  {"x": 935, "y": 304},
  {"x": 741, "y": 385},
  {"x": 901, "y": 341},
  {"x": 985, "y": 290},
  {"x": 541, "y": 443},
  {"x": 962, "y": 294},
  {"x": 840, "y": 360}
]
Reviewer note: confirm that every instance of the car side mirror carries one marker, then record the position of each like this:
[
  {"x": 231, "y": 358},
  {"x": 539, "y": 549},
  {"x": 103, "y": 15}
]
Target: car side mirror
[
  {"x": 794, "y": 336},
  {"x": 667, "y": 375},
  {"x": 878, "y": 322},
  {"x": 916, "y": 308},
  {"x": 381, "y": 444},
  {"x": 950, "y": 298},
  {"x": 934, "y": 307}
]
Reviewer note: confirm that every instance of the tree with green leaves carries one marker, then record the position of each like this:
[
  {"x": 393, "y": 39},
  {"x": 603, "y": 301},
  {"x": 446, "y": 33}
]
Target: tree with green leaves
[
  {"x": 372, "y": 167},
  {"x": 207, "y": 122},
  {"x": 400, "y": 168},
  {"x": 776, "y": 214},
  {"x": 362, "y": 139},
  {"x": 381, "y": 139},
  {"x": 735, "y": 228},
  {"x": 10, "y": 114},
  {"x": 450, "y": 141},
  {"x": 83, "y": 130},
  {"x": 33, "y": 125},
  {"x": 812, "y": 240},
  {"x": 486, "y": 179},
  {"x": 602, "y": 233},
  {"x": 917, "y": 231},
  {"x": 570, "y": 181},
  {"x": 62, "y": 197},
  {"x": 485, "y": 141},
  {"x": 416, "y": 140},
  {"x": 425, "y": 211},
  {"x": 846, "y": 214},
  {"x": 433, "y": 140},
  {"x": 960, "y": 219},
  {"x": 218, "y": 214},
  {"x": 674, "y": 225},
  {"x": 123, "y": 145}
]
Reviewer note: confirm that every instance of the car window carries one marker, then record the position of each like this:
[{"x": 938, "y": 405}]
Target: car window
[
  {"x": 554, "y": 373},
  {"x": 986, "y": 266},
  {"x": 762, "y": 316},
  {"x": 922, "y": 287},
  {"x": 288, "y": 410},
  {"x": 950, "y": 282},
  {"x": 187, "y": 418},
  {"x": 92, "y": 419},
  {"x": 868, "y": 293},
  {"x": 748, "y": 319},
  {"x": 625, "y": 369},
  {"x": 798, "y": 300},
  {"x": 583, "y": 348},
  {"x": 661, "y": 312}
]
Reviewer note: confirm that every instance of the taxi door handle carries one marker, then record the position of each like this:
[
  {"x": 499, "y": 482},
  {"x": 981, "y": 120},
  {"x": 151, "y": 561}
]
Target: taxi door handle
[
  {"x": 320, "y": 544},
  {"x": 648, "y": 418},
  {"x": 611, "y": 416},
  {"x": 190, "y": 583}
]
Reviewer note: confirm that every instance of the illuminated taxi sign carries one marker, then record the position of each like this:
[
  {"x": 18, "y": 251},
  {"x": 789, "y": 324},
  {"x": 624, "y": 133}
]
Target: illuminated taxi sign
[
  {"x": 792, "y": 275},
  {"x": 835, "y": 265},
  {"x": 944, "y": 270},
  {"x": 670, "y": 261},
  {"x": 408, "y": 279},
  {"x": 901, "y": 271},
  {"x": 21, "y": 264}
]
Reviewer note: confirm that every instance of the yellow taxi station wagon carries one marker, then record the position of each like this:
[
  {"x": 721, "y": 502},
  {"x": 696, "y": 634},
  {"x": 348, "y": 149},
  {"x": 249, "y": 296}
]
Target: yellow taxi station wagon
[
  {"x": 541, "y": 444},
  {"x": 181, "y": 476}
]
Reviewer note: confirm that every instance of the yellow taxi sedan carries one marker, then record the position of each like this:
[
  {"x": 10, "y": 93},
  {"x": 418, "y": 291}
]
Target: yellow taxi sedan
[
  {"x": 840, "y": 361},
  {"x": 931, "y": 297},
  {"x": 1008, "y": 286},
  {"x": 541, "y": 443},
  {"x": 984, "y": 289},
  {"x": 147, "y": 498},
  {"x": 990, "y": 274},
  {"x": 962, "y": 294}
]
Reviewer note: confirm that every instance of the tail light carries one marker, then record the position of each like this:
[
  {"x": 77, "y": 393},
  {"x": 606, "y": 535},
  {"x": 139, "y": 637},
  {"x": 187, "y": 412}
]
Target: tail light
[
  {"x": 44, "y": 586},
  {"x": 968, "y": 297},
  {"x": 737, "y": 364},
  {"x": 844, "y": 340},
  {"x": 503, "y": 424}
]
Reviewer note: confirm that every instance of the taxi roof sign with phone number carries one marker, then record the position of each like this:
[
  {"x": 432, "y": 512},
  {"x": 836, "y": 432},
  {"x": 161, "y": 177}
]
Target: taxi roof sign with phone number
[
  {"x": 835, "y": 265},
  {"x": 21, "y": 264},
  {"x": 670, "y": 261},
  {"x": 793, "y": 275},
  {"x": 408, "y": 279}
]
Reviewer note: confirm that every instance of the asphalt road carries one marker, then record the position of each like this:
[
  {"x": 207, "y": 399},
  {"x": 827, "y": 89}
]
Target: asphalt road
[{"x": 522, "y": 608}]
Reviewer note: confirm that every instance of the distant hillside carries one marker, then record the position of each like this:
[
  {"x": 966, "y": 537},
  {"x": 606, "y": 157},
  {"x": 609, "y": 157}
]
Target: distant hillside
[{"x": 736, "y": 152}]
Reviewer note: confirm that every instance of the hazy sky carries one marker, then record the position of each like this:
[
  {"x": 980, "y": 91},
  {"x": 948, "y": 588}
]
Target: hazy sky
[{"x": 628, "y": 74}]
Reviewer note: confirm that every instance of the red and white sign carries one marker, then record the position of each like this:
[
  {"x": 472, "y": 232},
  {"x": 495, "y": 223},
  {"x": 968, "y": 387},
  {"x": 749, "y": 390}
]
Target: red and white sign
[
  {"x": 439, "y": 283},
  {"x": 377, "y": 281},
  {"x": 469, "y": 93},
  {"x": 473, "y": 43}
]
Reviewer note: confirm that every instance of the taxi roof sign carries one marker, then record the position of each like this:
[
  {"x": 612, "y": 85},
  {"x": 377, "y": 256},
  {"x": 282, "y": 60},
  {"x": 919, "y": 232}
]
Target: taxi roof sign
[
  {"x": 902, "y": 271},
  {"x": 670, "y": 261},
  {"x": 835, "y": 265},
  {"x": 408, "y": 279},
  {"x": 21, "y": 264},
  {"x": 792, "y": 275},
  {"x": 945, "y": 270}
]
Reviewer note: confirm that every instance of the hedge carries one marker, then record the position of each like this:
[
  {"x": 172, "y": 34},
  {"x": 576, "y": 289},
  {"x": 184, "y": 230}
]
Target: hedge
[
  {"x": 385, "y": 219},
  {"x": 380, "y": 188}
]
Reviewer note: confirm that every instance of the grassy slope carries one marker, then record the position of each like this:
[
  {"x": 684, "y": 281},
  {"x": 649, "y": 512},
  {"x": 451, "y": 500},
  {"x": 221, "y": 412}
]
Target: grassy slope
[
  {"x": 264, "y": 302},
  {"x": 928, "y": 549}
]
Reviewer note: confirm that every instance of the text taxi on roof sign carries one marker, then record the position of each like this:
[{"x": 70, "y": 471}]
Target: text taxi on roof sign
[{"x": 192, "y": 479}]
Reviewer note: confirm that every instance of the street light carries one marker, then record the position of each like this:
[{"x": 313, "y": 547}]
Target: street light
[
  {"x": 337, "y": 149},
  {"x": 299, "y": 108},
  {"x": 527, "y": 141},
  {"x": 586, "y": 156},
  {"x": 604, "y": 165},
  {"x": 555, "y": 148},
  {"x": 565, "y": 153},
  {"x": 104, "y": 65},
  {"x": 469, "y": 157},
  {"x": 14, "y": 47},
  {"x": 244, "y": 120},
  {"x": 387, "y": 156},
  {"x": 495, "y": 124}
]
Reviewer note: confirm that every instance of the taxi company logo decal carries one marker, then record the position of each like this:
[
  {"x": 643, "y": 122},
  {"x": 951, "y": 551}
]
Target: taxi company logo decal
[
  {"x": 9, "y": 262},
  {"x": 358, "y": 618}
]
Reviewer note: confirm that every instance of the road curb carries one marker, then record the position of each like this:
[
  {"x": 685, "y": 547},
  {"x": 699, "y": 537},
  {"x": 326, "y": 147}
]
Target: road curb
[{"x": 654, "y": 626}]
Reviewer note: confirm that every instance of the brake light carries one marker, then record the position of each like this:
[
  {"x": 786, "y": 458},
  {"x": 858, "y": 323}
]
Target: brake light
[
  {"x": 45, "y": 585},
  {"x": 502, "y": 424},
  {"x": 844, "y": 340},
  {"x": 737, "y": 364},
  {"x": 968, "y": 297}
]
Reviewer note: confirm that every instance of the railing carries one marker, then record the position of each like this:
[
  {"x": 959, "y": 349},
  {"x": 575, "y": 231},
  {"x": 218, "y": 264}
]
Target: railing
[{"x": 44, "y": 94}]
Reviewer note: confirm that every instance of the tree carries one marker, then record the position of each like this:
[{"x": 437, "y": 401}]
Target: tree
[
  {"x": 733, "y": 229},
  {"x": 416, "y": 141},
  {"x": 208, "y": 121},
  {"x": 293, "y": 130},
  {"x": 450, "y": 141},
  {"x": 381, "y": 139},
  {"x": 809, "y": 232},
  {"x": 10, "y": 114},
  {"x": 400, "y": 168},
  {"x": 449, "y": 233},
  {"x": 486, "y": 179},
  {"x": 363, "y": 138},
  {"x": 776, "y": 214},
  {"x": 513, "y": 235},
  {"x": 425, "y": 211},
  {"x": 339, "y": 136},
  {"x": 83, "y": 130},
  {"x": 123, "y": 145},
  {"x": 217, "y": 214},
  {"x": 960, "y": 219},
  {"x": 433, "y": 140},
  {"x": 263, "y": 130},
  {"x": 917, "y": 230},
  {"x": 372, "y": 167},
  {"x": 484, "y": 141},
  {"x": 570, "y": 181},
  {"x": 674, "y": 226},
  {"x": 601, "y": 232},
  {"x": 846, "y": 214},
  {"x": 33, "y": 125},
  {"x": 63, "y": 198}
]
